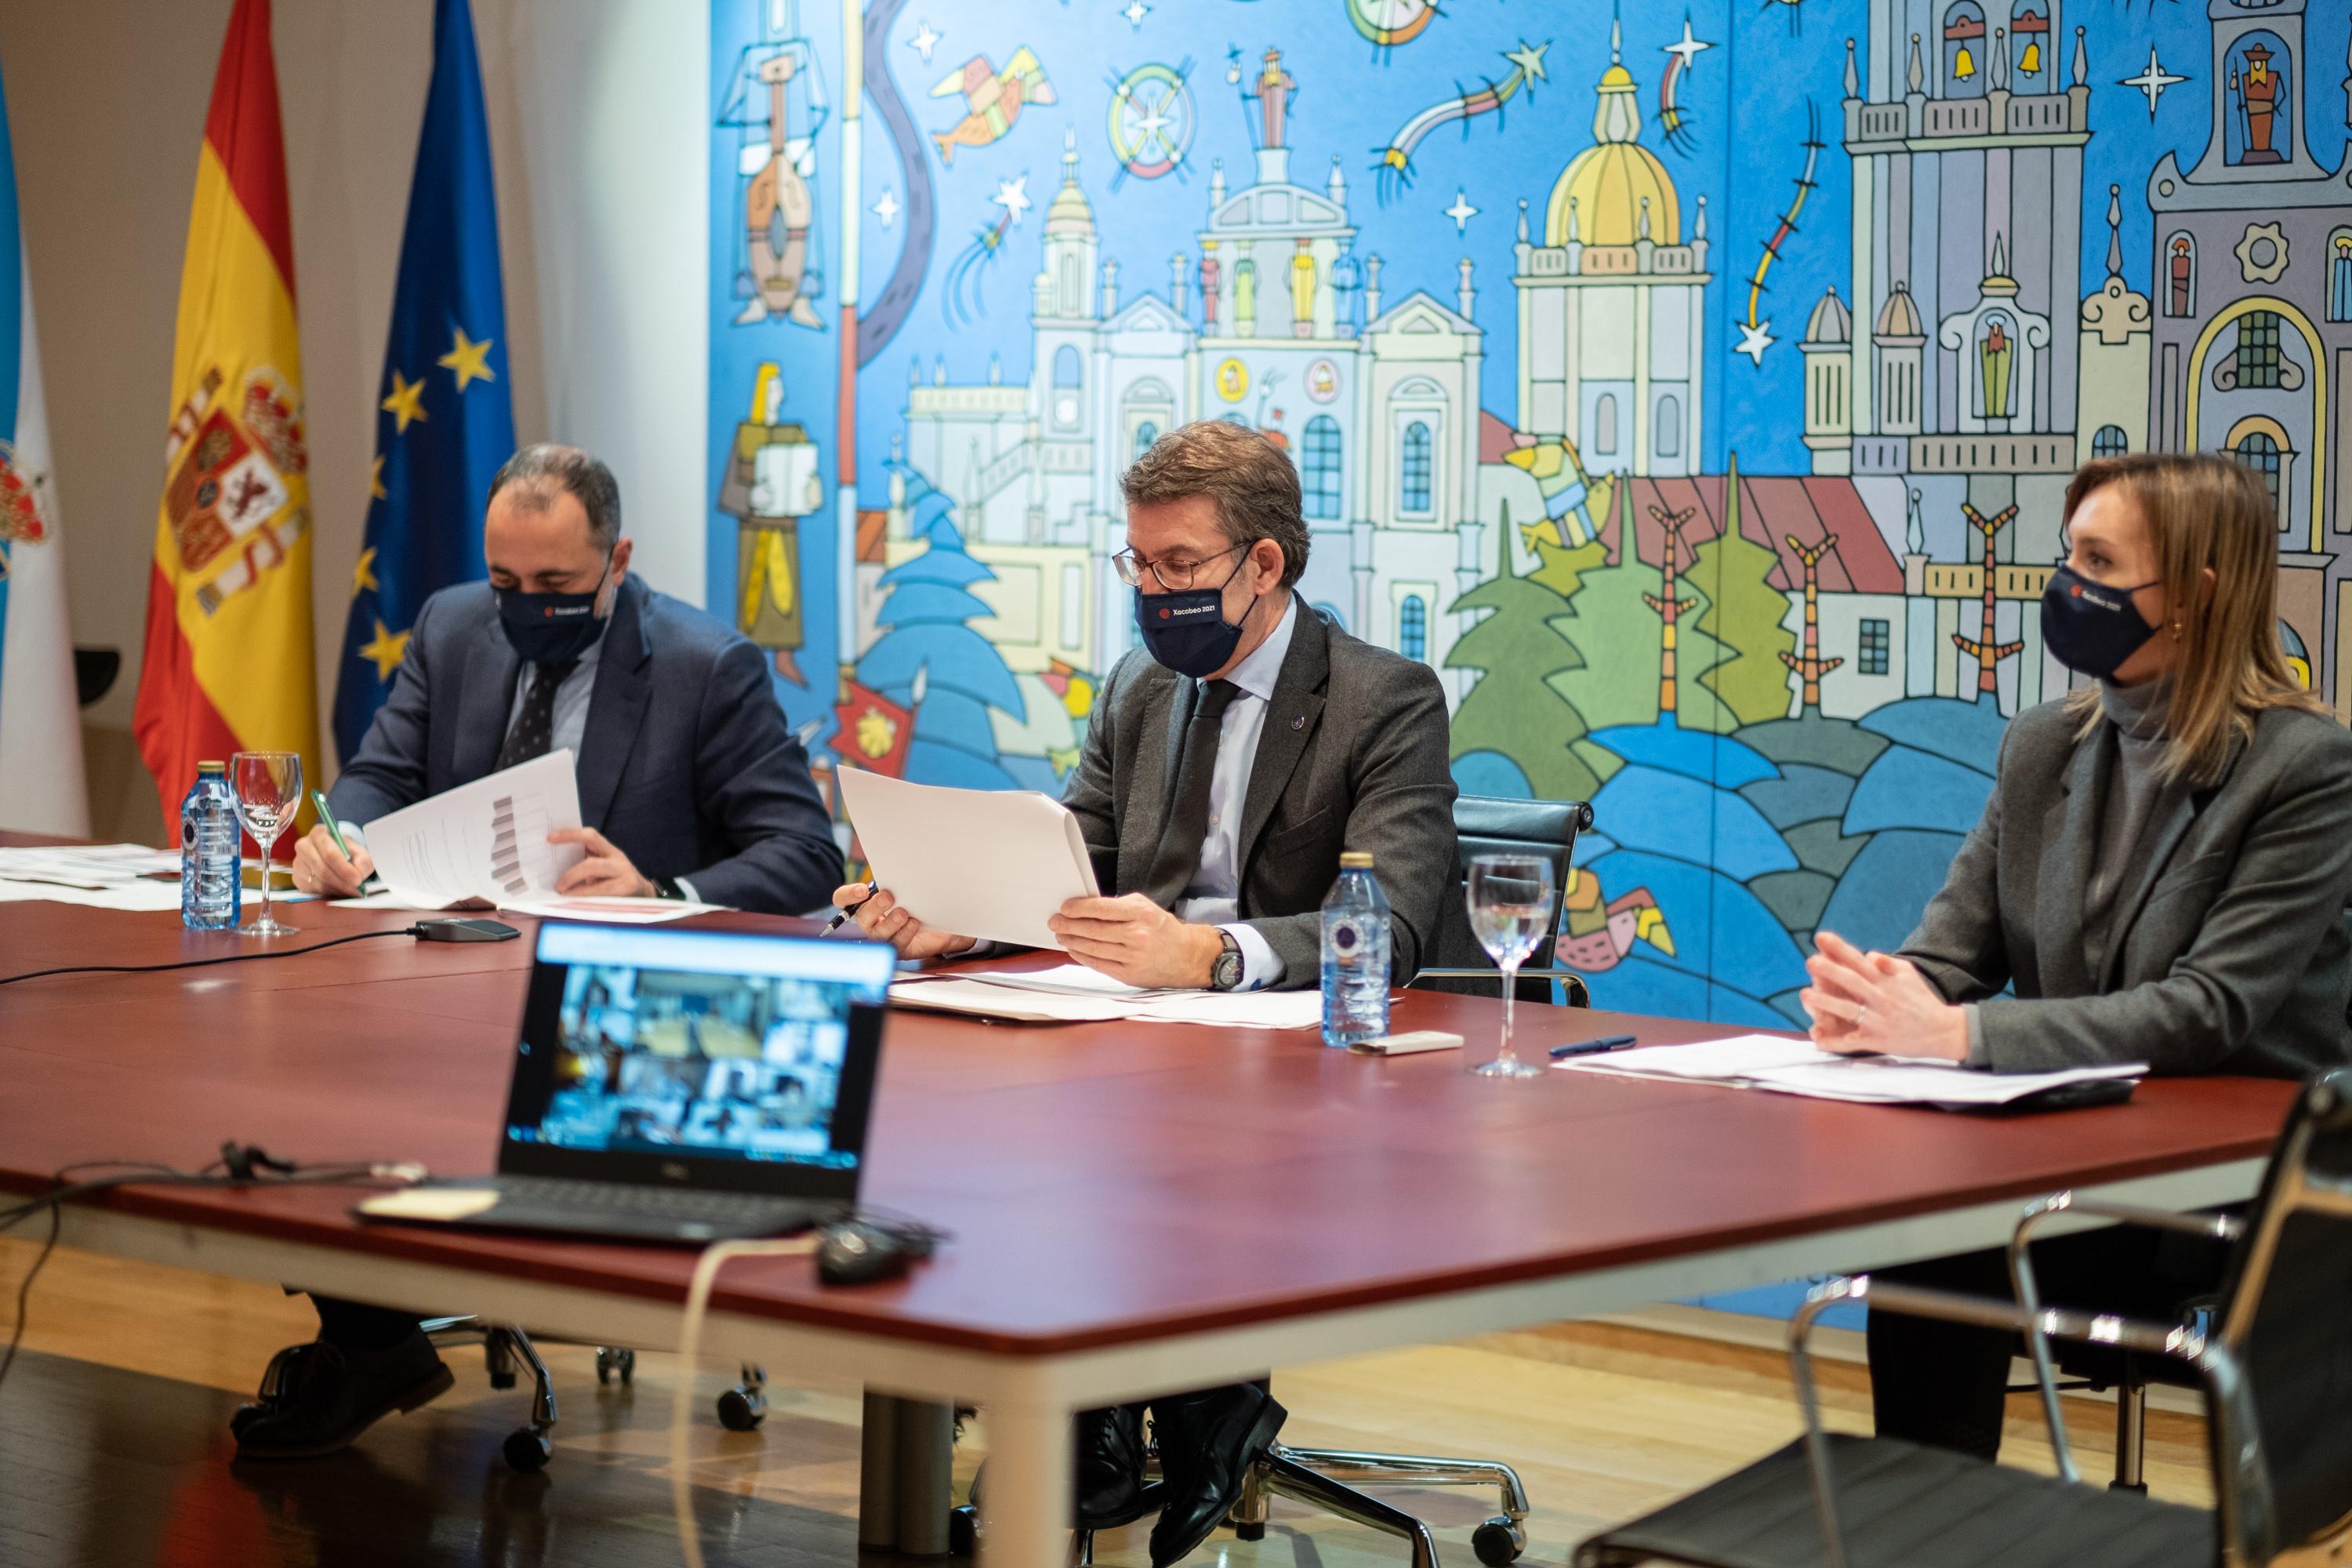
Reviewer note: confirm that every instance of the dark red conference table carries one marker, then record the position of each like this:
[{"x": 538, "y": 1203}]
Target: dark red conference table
[{"x": 1134, "y": 1208}]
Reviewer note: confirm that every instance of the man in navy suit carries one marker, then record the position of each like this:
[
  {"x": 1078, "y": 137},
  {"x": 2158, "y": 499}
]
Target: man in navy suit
[{"x": 689, "y": 783}]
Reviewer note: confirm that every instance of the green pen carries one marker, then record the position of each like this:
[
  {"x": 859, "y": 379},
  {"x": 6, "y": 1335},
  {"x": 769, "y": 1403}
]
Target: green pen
[{"x": 334, "y": 829}]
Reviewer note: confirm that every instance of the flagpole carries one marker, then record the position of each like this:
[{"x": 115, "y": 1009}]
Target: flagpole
[{"x": 845, "y": 444}]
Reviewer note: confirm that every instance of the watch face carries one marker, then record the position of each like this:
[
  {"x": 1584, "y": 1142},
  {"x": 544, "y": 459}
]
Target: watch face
[{"x": 1226, "y": 973}]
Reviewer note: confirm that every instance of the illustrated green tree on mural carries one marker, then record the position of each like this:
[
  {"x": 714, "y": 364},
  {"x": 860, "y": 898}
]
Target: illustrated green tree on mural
[
  {"x": 1746, "y": 614},
  {"x": 1614, "y": 628},
  {"x": 1515, "y": 710}
]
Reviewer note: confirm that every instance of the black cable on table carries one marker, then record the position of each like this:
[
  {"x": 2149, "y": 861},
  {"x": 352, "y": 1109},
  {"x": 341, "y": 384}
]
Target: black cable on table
[{"x": 201, "y": 962}]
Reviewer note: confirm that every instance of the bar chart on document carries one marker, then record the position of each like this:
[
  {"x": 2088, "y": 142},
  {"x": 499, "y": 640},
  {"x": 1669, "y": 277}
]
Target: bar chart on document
[{"x": 484, "y": 840}]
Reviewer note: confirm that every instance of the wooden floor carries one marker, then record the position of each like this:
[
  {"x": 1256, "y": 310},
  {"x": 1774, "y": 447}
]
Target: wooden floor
[{"x": 114, "y": 1451}]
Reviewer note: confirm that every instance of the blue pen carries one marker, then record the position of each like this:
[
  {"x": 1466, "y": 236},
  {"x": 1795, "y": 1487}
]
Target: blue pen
[{"x": 1594, "y": 1048}]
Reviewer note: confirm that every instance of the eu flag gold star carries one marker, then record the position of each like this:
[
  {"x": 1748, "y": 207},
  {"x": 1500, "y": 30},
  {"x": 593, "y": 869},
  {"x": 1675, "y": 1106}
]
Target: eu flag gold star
[
  {"x": 363, "y": 574},
  {"x": 375, "y": 479},
  {"x": 405, "y": 405},
  {"x": 388, "y": 649},
  {"x": 469, "y": 360}
]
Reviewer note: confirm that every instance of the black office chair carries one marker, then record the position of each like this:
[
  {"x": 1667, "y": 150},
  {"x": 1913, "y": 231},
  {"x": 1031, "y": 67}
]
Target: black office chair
[
  {"x": 1491, "y": 824},
  {"x": 2099, "y": 1368},
  {"x": 2275, "y": 1370}
]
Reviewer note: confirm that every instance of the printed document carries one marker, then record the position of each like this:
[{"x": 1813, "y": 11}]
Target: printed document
[
  {"x": 1799, "y": 1067},
  {"x": 992, "y": 864},
  {"x": 487, "y": 840},
  {"x": 1073, "y": 994}
]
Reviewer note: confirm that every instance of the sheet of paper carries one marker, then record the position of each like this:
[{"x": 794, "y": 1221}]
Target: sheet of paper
[
  {"x": 986, "y": 997},
  {"x": 608, "y": 912},
  {"x": 87, "y": 865},
  {"x": 1798, "y": 1067},
  {"x": 487, "y": 840},
  {"x": 130, "y": 895},
  {"x": 986, "y": 863},
  {"x": 1065, "y": 977}
]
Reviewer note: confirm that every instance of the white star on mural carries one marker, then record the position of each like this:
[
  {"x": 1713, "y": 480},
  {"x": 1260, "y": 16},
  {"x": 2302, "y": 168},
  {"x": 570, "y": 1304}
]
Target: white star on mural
[
  {"x": 887, "y": 208},
  {"x": 1135, "y": 12},
  {"x": 1461, "y": 212},
  {"x": 924, "y": 41},
  {"x": 2152, "y": 81},
  {"x": 1754, "y": 341},
  {"x": 1012, "y": 196},
  {"x": 1688, "y": 47}
]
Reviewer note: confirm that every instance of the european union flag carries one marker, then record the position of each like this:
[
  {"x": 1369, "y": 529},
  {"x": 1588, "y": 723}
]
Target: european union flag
[{"x": 447, "y": 422}]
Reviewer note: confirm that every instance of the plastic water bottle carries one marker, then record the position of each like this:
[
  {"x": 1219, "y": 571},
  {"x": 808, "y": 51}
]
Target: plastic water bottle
[
  {"x": 212, "y": 883},
  {"x": 1355, "y": 955}
]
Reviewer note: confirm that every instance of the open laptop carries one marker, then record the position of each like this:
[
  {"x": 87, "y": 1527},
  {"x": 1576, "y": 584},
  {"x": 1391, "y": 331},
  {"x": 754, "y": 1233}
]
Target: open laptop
[{"x": 680, "y": 1086}]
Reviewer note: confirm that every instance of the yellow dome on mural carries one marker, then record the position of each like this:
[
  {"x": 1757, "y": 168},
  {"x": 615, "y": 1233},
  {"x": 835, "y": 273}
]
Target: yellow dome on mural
[{"x": 1604, "y": 186}]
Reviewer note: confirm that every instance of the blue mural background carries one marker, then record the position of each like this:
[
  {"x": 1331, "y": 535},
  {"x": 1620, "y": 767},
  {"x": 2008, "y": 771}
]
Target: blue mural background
[{"x": 1755, "y": 572}]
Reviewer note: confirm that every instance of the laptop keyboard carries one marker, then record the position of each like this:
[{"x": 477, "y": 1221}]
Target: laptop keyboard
[{"x": 651, "y": 1203}]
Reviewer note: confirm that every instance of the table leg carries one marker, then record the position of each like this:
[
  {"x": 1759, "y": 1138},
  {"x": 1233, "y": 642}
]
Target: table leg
[
  {"x": 878, "y": 1474},
  {"x": 1028, "y": 1493}
]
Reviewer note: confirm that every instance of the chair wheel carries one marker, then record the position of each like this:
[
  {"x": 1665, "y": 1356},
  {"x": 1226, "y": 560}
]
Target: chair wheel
[
  {"x": 527, "y": 1450},
  {"x": 742, "y": 1409},
  {"x": 964, "y": 1530},
  {"x": 1498, "y": 1541},
  {"x": 622, "y": 1361}
]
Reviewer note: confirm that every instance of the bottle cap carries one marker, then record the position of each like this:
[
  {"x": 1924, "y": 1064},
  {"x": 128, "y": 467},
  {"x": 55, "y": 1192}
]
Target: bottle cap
[
  {"x": 1356, "y": 860},
  {"x": 212, "y": 767}
]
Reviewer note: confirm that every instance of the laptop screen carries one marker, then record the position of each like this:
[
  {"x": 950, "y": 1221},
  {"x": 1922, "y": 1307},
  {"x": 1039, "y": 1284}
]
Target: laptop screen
[{"x": 709, "y": 1058}]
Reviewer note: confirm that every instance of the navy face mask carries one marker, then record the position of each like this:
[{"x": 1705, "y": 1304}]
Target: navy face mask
[
  {"x": 552, "y": 629},
  {"x": 2092, "y": 628},
  {"x": 1188, "y": 632}
]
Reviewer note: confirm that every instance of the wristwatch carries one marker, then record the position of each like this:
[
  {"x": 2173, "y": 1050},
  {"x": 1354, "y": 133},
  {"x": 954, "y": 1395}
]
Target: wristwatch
[{"x": 1225, "y": 971}]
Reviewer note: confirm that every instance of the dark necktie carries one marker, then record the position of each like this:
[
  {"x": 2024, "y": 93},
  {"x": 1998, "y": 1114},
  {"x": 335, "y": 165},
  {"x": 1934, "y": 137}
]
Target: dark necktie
[
  {"x": 534, "y": 728},
  {"x": 1187, "y": 827}
]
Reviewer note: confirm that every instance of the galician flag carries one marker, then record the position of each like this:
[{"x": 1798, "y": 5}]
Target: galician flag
[
  {"x": 228, "y": 663},
  {"x": 444, "y": 423},
  {"x": 41, "y": 787}
]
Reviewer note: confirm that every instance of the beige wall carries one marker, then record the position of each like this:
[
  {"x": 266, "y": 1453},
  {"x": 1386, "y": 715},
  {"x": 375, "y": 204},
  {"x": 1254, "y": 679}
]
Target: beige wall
[{"x": 599, "y": 130}]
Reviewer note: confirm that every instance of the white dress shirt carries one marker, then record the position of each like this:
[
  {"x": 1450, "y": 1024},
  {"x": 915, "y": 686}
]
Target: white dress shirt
[{"x": 1213, "y": 895}]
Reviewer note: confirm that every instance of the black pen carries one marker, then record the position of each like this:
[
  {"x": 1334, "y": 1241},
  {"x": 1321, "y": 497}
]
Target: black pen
[
  {"x": 1594, "y": 1048},
  {"x": 835, "y": 924}
]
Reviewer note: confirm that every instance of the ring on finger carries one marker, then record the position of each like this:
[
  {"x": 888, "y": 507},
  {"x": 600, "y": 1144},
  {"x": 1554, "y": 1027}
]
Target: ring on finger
[{"x": 1862, "y": 1013}]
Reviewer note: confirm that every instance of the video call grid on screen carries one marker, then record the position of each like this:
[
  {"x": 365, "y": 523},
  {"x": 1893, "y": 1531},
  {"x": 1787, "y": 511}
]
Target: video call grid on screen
[{"x": 701, "y": 1043}]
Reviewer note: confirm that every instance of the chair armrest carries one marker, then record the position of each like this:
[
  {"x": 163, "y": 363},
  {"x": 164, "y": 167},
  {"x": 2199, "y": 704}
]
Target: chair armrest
[
  {"x": 2219, "y": 1227},
  {"x": 2246, "y": 1513}
]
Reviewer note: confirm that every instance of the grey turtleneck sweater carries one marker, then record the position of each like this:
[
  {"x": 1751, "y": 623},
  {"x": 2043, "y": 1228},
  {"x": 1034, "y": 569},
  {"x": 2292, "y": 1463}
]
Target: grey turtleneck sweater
[{"x": 2137, "y": 714}]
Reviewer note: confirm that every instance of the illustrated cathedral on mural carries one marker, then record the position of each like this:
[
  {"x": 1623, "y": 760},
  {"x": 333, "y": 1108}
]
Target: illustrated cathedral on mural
[{"x": 1715, "y": 458}]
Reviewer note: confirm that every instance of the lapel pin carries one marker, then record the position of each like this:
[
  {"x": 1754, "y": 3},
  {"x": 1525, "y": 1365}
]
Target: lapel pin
[{"x": 1299, "y": 722}]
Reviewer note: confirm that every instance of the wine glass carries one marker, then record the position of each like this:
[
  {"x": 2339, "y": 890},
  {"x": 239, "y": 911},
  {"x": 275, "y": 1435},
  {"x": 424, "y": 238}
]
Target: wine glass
[
  {"x": 1510, "y": 909},
  {"x": 268, "y": 787}
]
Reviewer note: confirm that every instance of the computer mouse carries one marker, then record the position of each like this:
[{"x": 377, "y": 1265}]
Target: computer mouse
[{"x": 859, "y": 1252}]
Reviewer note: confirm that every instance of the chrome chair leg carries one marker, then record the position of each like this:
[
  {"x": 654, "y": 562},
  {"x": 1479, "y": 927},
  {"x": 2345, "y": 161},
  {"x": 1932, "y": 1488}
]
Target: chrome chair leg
[
  {"x": 1249, "y": 1511},
  {"x": 2131, "y": 1436},
  {"x": 1295, "y": 1480},
  {"x": 1361, "y": 1470}
]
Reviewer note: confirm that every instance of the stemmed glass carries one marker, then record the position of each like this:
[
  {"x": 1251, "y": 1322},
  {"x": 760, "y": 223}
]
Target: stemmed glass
[
  {"x": 268, "y": 787},
  {"x": 1510, "y": 909}
]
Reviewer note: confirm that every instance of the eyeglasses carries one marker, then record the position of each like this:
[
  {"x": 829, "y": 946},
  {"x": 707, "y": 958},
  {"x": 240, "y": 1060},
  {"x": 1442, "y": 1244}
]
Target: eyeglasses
[{"x": 1174, "y": 573}]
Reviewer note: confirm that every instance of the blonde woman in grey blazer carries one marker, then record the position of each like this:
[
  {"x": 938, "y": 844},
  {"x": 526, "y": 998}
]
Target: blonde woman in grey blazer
[{"x": 2161, "y": 875}]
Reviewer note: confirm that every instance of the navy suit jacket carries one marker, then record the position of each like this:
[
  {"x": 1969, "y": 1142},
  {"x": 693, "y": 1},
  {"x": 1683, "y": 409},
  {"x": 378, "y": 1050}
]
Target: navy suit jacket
[{"x": 685, "y": 764}]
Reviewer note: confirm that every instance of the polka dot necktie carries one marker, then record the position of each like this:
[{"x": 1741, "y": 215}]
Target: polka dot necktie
[{"x": 533, "y": 733}]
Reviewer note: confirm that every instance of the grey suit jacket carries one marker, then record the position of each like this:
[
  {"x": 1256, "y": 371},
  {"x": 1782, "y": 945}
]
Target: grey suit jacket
[
  {"x": 2227, "y": 951},
  {"x": 686, "y": 764},
  {"x": 1352, "y": 756}
]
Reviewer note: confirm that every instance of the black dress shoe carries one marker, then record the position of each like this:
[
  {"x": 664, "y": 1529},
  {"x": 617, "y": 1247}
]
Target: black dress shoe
[
  {"x": 316, "y": 1398},
  {"x": 1207, "y": 1442},
  {"x": 1109, "y": 1479}
]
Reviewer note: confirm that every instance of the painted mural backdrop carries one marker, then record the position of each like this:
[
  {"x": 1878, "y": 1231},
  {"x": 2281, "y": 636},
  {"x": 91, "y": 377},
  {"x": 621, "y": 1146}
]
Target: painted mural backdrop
[{"x": 1693, "y": 388}]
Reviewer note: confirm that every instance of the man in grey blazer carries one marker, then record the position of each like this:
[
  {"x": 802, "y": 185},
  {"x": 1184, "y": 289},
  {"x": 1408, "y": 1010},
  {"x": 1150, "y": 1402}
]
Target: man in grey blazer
[
  {"x": 690, "y": 782},
  {"x": 1227, "y": 763}
]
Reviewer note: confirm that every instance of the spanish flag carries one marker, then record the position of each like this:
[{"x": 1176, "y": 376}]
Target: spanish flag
[{"x": 228, "y": 664}]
